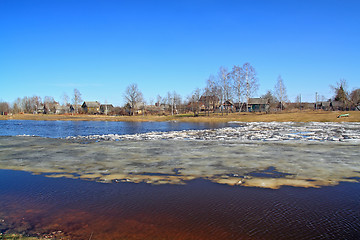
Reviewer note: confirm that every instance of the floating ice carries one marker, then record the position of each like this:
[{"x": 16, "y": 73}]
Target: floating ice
[
  {"x": 254, "y": 131},
  {"x": 254, "y": 154}
]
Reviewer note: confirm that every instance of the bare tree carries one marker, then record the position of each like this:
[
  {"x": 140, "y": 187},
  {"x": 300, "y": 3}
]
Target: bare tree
[
  {"x": 341, "y": 92},
  {"x": 298, "y": 101},
  {"x": 177, "y": 102},
  {"x": 4, "y": 107},
  {"x": 355, "y": 98},
  {"x": 143, "y": 106},
  {"x": 239, "y": 84},
  {"x": 151, "y": 101},
  {"x": 25, "y": 104},
  {"x": 173, "y": 101},
  {"x": 65, "y": 99},
  {"x": 35, "y": 102},
  {"x": 133, "y": 97},
  {"x": 16, "y": 107},
  {"x": 280, "y": 92},
  {"x": 251, "y": 82},
  {"x": 212, "y": 94},
  {"x": 170, "y": 103},
  {"x": 49, "y": 104},
  {"x": 76, "y": 100},
  {"x": 208, "y": 93},
  {"x": 224, "y": 83},
  {"x": 30, "y": 104},
  {"x": 159, "y": 101},
  {"x": 194, "y": 101}
]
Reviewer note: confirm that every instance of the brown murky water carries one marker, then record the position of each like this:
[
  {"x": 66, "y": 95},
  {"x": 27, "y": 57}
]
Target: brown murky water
[{"x": 34, "y": 204}]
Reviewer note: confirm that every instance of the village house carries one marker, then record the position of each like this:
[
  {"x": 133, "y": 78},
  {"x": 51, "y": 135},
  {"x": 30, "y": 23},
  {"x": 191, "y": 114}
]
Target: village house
[
  {"x": 106, "y": 109},
  {"x": 91, "y": 107},
  {"x": 240, "y": 106},
  {"x": 209, "y": 103},
  {"x": 41, "y": 109},
  {"x": 228, "y": 105},
  {"x": 258, "y": 105},
  {"x": 338, "y": 106},
  {"x": 59, "y": 109}
]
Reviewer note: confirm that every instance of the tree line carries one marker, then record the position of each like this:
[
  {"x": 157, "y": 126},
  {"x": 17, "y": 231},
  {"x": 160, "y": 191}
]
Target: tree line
[{"x": 223, "y": 92}]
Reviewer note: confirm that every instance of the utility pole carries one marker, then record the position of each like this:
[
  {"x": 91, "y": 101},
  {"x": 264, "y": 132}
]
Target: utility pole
[{"x": 316, "y": 100}]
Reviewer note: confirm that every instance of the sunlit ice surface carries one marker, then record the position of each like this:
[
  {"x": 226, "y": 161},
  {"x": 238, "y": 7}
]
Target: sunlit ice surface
[{"x": 268, "y": 155}]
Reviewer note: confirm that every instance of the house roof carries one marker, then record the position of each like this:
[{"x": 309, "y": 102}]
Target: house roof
[
  {"x": 93, "y": 104},
  {"x": 325, "y": 104},
  {"x": 337, "y": 104},
  {"x": 106, "y": 105},
  {"x": 59, "y": 107},
  {"x": 205, "y": 98},
  {"x": 258, "y": 101}
]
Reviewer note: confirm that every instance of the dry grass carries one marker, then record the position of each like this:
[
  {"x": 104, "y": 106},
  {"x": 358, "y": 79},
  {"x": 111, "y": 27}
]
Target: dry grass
[{"x": 304, "y": 116}]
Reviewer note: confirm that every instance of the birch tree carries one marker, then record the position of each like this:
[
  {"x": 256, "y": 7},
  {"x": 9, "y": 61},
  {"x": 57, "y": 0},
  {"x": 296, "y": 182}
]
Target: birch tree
[
  {"x": 280, "y": 92},
  {"x": 224, "y": 83},
  {"x": 248, "y": 76},
  {"x": 76, "y": 100},
  {"x": 239, "y": 85}
]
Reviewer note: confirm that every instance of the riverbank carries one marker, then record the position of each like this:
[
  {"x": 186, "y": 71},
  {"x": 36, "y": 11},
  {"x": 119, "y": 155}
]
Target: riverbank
[{"x": 304, "y": 116}]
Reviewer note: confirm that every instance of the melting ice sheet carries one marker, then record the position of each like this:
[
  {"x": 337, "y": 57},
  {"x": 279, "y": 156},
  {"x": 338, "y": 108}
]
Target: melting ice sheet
[{"x": 266, "y": 155}]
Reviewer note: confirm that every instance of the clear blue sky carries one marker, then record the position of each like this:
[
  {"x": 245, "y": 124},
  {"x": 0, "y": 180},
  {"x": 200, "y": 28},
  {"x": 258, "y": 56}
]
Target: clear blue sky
[{"x": 48, "y": 48}]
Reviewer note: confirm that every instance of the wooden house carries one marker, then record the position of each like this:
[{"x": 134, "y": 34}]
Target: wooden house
[
  {"x": 91, "y": 107},
  {"x": 106, "y": 109},
  {"x": 59, "y": 109},
  {"x": 209, "y": 103},
  {"x": 228, "y": 105},
  {"x": 41, "y": 109},
  {"x": 258, "y": 105}
]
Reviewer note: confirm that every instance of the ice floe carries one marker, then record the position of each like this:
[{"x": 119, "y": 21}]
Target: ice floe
[
  {"x": 254, "y": 131},
  {"x": 268, "y": 155}
]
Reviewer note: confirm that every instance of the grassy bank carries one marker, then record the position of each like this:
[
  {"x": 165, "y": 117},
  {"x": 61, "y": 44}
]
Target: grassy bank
[{"x": 304, "y": 116}]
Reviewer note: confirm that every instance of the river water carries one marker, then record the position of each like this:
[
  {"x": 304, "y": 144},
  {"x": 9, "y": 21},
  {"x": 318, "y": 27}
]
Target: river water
[{"x": 173, "y": 180}]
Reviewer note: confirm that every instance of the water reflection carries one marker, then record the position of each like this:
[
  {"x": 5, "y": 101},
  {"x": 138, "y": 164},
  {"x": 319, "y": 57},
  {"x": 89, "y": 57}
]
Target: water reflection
[{"x": 200, "y": 210}]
